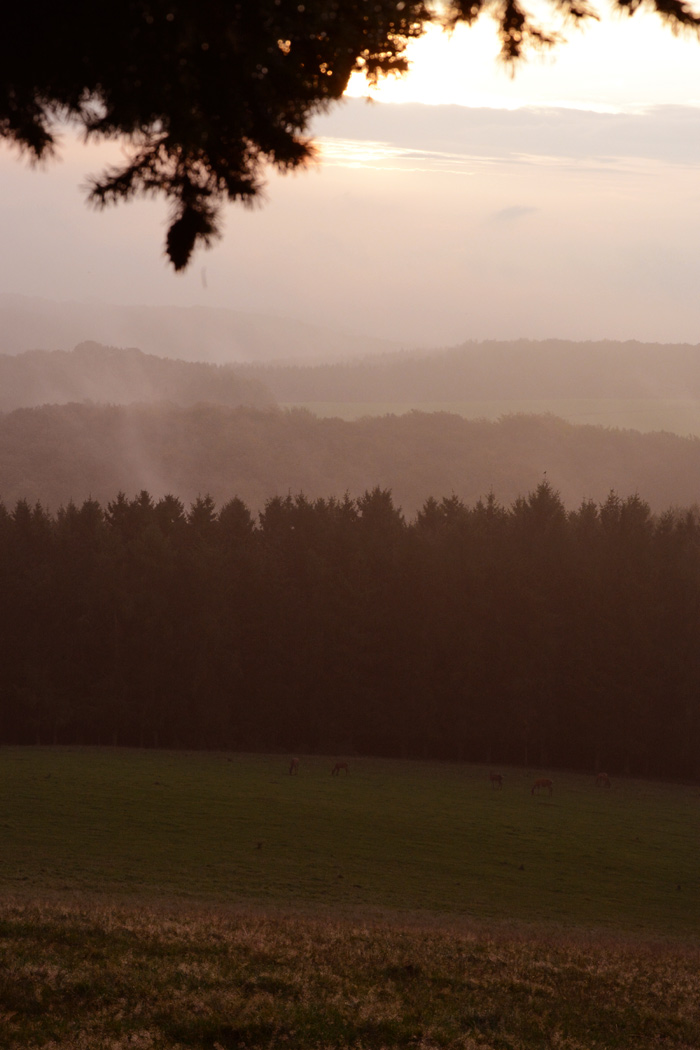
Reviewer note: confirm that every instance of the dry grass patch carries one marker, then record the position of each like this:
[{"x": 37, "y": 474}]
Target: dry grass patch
[{"x": 93, "y": 975}]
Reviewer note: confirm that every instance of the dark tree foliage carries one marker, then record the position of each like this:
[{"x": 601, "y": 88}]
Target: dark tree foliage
[
  {"x": 205, "y": 93},
  {"x": 523, "y": 635}
]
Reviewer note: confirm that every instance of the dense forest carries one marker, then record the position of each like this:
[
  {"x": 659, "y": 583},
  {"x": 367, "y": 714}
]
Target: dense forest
[
  {"x": 61, "y": 452},
  {"x": 520, "y": 634},
  {"x": 108, "y": 374},
  {"x": 495, "y": 370}
]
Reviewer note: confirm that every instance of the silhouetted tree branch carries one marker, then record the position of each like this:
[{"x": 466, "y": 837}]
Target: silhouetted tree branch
[{"x": 206, "y": 94}]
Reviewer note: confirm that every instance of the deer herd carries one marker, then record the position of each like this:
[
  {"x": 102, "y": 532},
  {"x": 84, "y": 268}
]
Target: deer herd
[{"x": 496, "y": 779}]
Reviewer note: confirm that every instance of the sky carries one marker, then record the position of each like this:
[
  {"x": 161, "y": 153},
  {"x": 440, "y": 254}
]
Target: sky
[{"x": 462, "y": 204}]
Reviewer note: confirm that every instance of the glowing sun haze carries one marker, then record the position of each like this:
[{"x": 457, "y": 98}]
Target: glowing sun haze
[
  {"x": 616, "y": 63},
  {"x": 564, "y": 202}
]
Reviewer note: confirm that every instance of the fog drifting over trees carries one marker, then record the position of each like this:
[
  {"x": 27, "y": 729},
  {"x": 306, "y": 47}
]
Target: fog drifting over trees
[
  {"x": 61, "y": 452},
  {"x": 97, "y": 420}
]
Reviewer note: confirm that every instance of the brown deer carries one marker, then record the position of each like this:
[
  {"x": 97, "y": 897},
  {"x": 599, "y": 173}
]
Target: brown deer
[
  {"x": 602, "y": 780},
  {"x": 543, "y": 782},
  {"x": 335, "y": 771},
  {"x": 294, "y": 767},
  {"x": 496, "y": 780}
]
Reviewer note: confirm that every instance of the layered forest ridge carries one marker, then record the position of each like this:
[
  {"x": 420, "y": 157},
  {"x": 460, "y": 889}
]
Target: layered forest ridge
[
  {"x": 99, "y": 420},
  {"x": 112, "y": 375},
  {"x": 490, "y": 370},
  {"x": 414, "y": 571},
  {"x": 60, "y": 452},
  {"x": 475, "y": 371}
]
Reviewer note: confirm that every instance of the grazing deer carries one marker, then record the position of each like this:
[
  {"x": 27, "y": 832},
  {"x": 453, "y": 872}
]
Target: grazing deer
[
  {"x": 294, "y": 766},
  {"x": 544, "y": 782},
  {"x": 496, "y": 780},
  {"x": 335, "y": 771},
  {"x": 602, "y": 780}
]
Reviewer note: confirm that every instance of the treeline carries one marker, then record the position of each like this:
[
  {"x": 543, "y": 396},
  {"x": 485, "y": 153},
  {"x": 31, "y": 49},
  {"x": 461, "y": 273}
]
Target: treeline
[
  {"x": 61, "y": 452},
  {"x": 520, "y": 634},
  {"x": 494, "y": 371}
]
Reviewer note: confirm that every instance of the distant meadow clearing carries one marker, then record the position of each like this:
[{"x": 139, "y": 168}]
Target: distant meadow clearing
[{"x": 169, "y": 899}]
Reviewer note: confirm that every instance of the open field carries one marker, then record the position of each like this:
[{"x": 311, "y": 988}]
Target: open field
[
  {"x": 644, "y": 414},
  {"x": 391, "y": 837},
  {"x": 159, "y": 901}
]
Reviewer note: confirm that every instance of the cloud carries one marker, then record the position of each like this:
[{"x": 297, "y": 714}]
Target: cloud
[
  {"x": 511, "y": 214},
  {"x": 384, "y": 156},
  {"x": 668, "y": 134},
  {"x": 388, "y": 237}
]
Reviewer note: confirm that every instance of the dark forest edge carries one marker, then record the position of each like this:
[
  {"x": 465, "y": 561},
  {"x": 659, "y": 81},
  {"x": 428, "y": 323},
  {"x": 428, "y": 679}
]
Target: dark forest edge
[{"x": 526, "y": 634}]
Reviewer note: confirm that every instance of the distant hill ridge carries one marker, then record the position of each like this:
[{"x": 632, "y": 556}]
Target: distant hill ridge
[
  {"x": 188, "y": 333},
  {"x": 496, "y": 370},
  {"x": 62, "y": 452},
  {"x": 92, "y": 372}
]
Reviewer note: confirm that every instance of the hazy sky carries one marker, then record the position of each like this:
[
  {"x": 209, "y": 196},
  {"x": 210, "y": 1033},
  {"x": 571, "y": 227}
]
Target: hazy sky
[{"x": 565, "y": 203}]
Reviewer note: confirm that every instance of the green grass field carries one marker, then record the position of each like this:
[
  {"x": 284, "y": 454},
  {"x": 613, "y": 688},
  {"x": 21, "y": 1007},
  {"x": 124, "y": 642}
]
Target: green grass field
[
  {"x": 644, "y": 414},
  {"x": 161, "y": 901},
  {"x": 391, "y": 837}
]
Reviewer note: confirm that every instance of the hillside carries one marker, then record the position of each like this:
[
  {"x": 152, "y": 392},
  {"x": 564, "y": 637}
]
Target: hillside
[
  {"x": 62, "y": 452},
  {"x": 492, "y": 370},
  {"x": 191, "y": 333},
  {"x": 97, "y": 373}
]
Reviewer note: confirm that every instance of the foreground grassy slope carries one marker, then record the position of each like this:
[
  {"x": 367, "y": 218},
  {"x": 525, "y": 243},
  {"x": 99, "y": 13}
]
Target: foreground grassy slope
[
  {"x": 391, "y": 836},
  {"x": 93, "y": 976}
]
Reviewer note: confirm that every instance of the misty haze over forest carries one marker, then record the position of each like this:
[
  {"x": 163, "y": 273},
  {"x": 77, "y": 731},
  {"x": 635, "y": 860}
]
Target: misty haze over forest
[
  {"x": 89, "y": 421},
  {"x": 191, "y": 333},
  {"x": 140, "y": 490}
]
